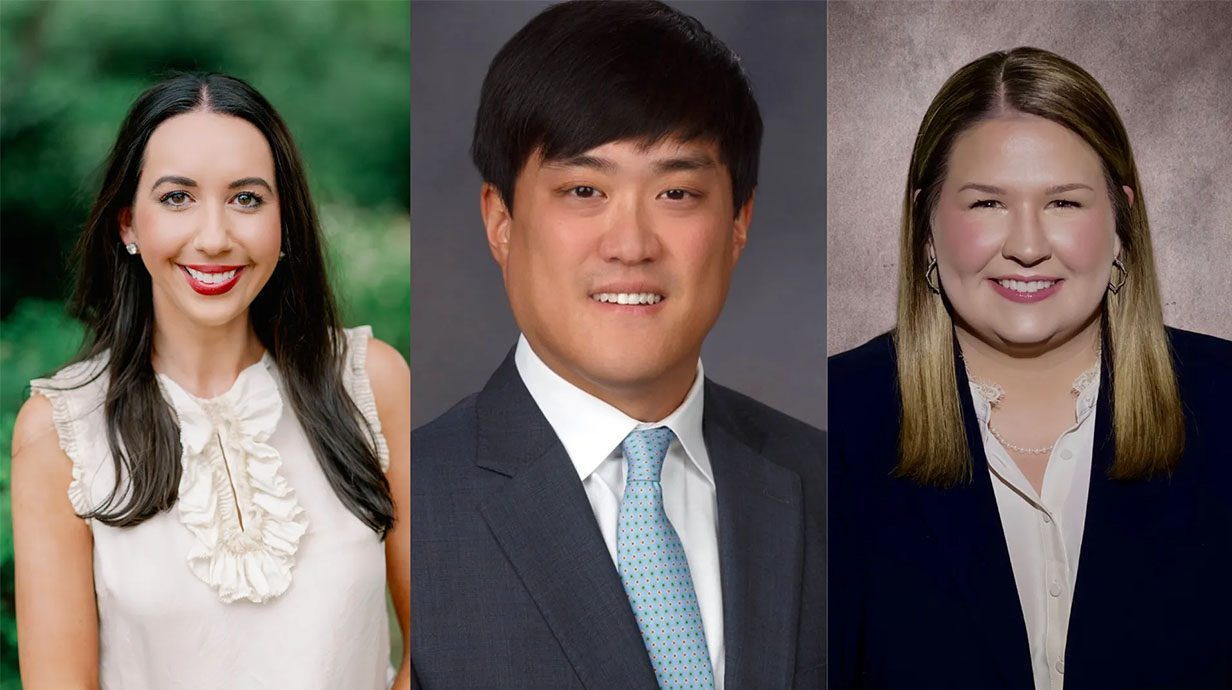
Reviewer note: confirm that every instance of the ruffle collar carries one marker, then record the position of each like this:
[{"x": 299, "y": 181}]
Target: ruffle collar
[{"x": 244, "y": 516}]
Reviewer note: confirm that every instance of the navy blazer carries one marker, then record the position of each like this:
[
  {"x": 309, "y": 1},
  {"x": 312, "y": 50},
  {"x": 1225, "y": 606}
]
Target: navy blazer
[
  {"x": 512, "y": 585},
  {"x": 922, "y": 593}
]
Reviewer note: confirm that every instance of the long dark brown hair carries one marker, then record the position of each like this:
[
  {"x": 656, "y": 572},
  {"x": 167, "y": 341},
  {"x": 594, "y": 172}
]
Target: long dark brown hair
[{"x": 294, "y": 316}]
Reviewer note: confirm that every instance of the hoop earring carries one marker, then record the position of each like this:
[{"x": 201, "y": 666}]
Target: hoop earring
[
  {"x": 1116, "y": 287},
  {"x": 932, "y": 263},
  {"x": 131, "y": 248}
]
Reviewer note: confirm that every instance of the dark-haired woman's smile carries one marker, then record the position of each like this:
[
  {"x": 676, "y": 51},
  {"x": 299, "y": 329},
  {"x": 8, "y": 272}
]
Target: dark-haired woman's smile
[{"x": 212, "y": 280}]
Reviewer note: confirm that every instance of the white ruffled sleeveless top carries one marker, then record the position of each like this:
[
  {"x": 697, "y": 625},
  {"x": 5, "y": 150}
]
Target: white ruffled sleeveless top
[{"x": 259, "y": 577}]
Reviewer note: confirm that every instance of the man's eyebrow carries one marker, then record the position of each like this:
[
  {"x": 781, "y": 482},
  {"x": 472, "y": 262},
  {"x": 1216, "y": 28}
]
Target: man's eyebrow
[
  {"x": 175, "y": 179},
  {"x": 582, "y": 161},
  {"x": 688, "y": 162},
  {"x": 249, "y": 182}
]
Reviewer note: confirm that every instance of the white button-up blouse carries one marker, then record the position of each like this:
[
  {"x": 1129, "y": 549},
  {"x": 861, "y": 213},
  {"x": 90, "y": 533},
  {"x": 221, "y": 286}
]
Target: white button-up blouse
[{"x": 1043, "y": 530}]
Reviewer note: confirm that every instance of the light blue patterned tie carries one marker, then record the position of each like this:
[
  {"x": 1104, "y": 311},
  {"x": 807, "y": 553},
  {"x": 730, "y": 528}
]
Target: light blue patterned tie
[{"x": 655, "y": 571}]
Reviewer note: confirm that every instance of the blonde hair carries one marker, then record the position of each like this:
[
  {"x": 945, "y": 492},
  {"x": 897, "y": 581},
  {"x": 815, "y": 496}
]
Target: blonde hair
[{"x": 1147, "y": 421}]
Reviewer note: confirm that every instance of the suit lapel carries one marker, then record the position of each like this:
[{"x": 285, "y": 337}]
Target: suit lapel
[
  {"x": 544, "y": 524},
  {"x": 1121, "y": 516},
  {"x": 966, "y": 526},
  {"x": 761, "y": 551}
]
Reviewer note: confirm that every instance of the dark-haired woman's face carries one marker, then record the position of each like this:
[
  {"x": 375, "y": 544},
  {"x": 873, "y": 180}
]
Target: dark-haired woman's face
[
  {"x": 1024, "y": 232},
  {"x": 205, "y": 217}
]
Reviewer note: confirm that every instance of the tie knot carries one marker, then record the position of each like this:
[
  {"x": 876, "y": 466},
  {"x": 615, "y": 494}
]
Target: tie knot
[{"x": 644, "y": 451}]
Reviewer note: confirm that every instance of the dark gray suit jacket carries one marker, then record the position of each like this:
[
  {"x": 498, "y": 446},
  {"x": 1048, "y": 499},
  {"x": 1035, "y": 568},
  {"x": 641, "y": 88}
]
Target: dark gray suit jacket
[{"x": 513, "y": 587}]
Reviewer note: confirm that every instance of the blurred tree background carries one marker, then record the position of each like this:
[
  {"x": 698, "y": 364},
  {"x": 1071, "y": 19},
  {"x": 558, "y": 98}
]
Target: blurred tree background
[{"x": 338, "y": 73}]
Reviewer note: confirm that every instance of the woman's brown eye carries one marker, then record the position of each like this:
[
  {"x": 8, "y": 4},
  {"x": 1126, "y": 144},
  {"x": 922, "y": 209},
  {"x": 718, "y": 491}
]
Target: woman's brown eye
[
  {"x": 174, "y": 198},
  {"x": 249, "y": 200}
]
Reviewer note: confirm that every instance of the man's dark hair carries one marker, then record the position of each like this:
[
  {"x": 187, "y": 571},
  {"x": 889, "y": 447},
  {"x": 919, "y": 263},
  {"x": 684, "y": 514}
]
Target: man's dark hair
[{"x": 585, "y": 73}]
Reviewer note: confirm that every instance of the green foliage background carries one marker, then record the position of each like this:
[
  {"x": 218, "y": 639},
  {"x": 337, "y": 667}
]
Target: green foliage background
[{"x": 338, "y": 73}]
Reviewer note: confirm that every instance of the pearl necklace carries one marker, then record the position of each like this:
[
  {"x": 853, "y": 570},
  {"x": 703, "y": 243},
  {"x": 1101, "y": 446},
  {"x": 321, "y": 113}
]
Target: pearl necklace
[
  {"x": 993, "y": 393},
  {"x": 1020, "y": 449}
]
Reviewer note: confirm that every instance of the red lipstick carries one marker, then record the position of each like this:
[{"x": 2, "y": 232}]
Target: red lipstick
[{"x": 210, "y": 289}]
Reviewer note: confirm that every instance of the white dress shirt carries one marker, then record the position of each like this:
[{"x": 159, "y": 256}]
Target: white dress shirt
[
  {"x": 591, "y": 432},
  {"x": 1043, "y": 530}
]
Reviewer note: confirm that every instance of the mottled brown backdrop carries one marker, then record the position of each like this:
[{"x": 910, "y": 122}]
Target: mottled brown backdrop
[{"x": 1166, "y": 65}]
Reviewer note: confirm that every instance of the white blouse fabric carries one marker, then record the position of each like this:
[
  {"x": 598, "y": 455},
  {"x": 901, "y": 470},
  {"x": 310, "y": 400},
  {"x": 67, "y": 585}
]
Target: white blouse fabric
[
  {"x": 259, "y": 577},
  {"x": 1043, "y": 530}
]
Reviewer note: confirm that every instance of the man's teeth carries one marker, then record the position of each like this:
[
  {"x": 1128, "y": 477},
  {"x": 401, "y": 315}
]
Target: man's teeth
[
  {"x": 211, "y": 277},
  {"x": 628, "y": 297},
  {"x": 1026, "y": 286}
]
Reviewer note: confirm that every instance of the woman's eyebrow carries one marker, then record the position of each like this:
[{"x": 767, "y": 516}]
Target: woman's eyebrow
[
  {"x": 1061, "y": 188},
  {"x": 1055, "y": 189},
  {"x": 189, "y": 182},
  {"x": 251, "y": 181},
  {"x": 986, "y": 188},
  {"x": 175, "y": 179}
]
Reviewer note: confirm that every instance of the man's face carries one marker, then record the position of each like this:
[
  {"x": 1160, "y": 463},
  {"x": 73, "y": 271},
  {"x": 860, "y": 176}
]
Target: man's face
[{"x": 617, "y": 261}]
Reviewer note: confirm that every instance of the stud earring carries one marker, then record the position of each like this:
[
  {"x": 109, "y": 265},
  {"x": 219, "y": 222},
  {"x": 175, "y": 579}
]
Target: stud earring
[
  {"x": 282, "y": 255},
  {"x": 132, "y": 248}
]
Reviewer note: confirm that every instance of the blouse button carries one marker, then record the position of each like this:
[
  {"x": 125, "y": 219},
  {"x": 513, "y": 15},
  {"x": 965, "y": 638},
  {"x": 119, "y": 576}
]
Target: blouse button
[
  {"x": 1047, "y": 519},
  {"x": 1054, "y": 589},
  {"x": 1060, "y": 666},
  {"x": 1066, "y": 454}
]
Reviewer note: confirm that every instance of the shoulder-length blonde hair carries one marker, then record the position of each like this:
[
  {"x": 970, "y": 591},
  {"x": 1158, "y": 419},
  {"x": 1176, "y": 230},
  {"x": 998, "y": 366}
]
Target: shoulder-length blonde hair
[{"x": 1147, "y": 422}]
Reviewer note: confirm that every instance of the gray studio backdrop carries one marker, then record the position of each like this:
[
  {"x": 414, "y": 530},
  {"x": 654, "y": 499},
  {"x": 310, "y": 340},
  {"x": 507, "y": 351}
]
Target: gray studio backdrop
[
  {"x": 1166, "y": 65},
  {"x": 768, "y": 343}
]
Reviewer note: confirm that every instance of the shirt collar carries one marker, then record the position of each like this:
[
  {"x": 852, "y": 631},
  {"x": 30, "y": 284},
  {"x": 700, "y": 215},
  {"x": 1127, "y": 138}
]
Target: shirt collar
[
  {"x": 1083, "y": 406},
  {"x": 591, "y": 429}
]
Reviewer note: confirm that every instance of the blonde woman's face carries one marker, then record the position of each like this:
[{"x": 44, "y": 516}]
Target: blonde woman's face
[{"x": 1024, "y": 232}]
